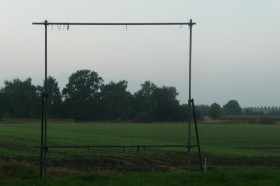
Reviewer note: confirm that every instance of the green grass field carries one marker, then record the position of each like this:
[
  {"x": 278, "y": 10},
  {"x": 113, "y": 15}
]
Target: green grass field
[
  {"x": 216, "y": 139},
  {"x": 223, "y": 144}
]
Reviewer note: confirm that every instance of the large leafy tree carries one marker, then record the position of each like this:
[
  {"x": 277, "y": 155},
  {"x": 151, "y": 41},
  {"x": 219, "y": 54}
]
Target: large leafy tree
[
  {"x": 214, "y": 111},
  {"x": 147, "y": 89},
  {"x": 54, "y": 100},
  {"x": 81, "y": 95},
  {"x": 19, "y": 98},
  {"x": 144, "y": 100},
  {"x": 4, "y": 104},
  {"x": 167, "y": 106},
  {"x": 202, "y": 111},
  {"x": 115, "y": 101},
  {"x": 232, "y": 108}
]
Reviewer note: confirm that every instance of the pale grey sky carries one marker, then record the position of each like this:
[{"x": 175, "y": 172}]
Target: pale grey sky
[{"x": 235, "y": 45}]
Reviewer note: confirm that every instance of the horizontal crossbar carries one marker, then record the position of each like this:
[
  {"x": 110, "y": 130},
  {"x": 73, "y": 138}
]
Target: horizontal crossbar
[
  {"x": 113, "y": 146},
  {"x": 112, "y": 24}
]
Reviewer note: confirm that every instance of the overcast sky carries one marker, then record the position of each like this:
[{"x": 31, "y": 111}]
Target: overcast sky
[{"x": 236, "y": 45}]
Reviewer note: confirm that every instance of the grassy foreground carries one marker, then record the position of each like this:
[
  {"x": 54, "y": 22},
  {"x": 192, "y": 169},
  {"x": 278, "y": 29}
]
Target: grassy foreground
[{"x": 22, "y": 175}]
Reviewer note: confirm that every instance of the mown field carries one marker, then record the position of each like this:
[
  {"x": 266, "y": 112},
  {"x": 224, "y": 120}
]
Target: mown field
[{"x": 232, "y": 147}]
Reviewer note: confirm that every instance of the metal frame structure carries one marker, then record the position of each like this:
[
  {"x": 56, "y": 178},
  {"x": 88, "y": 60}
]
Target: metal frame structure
[{"x": 44, "y": 121}]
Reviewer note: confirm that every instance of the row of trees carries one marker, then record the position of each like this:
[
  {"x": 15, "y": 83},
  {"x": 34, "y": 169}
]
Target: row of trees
[
  {"x": 86, "y": 97},
  {"x": 232, "y": 108},
  {"x": 261, "y": 115},
  {"x": 262, "y": 111}
]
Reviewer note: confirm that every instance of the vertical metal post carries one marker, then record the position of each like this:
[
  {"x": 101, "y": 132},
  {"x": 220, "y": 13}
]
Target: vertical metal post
[
  {"x": 197, "y": 137},
  {"x": 189, "y": 101},
  {"x": 45, "y": 103},
  {"x": 42, "y": 134}
]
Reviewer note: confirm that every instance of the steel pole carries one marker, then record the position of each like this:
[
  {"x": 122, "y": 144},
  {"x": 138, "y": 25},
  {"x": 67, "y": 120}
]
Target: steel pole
[
  {"x": 111, "y": 24},
  {"x": 190, "y": 88},
  {"x": 42, "y": 136},
  {"x": 46, "y": 94},
  {"x": 197, "y": 137}
]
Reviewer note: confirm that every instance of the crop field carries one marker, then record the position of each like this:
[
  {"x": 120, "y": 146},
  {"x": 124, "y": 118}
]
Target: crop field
[
  {"x": 216, "y": 139},
  {"x": 225, "y": 146}
]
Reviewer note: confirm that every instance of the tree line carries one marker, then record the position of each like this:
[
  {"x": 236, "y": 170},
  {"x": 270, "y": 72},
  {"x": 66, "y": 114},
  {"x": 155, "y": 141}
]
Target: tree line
[
  {"x": 232, "y": 108},
  {"x": 262, "y": 111},
  {"x": 87, "y": 98}
]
